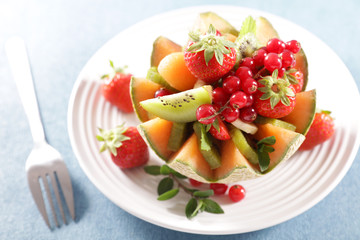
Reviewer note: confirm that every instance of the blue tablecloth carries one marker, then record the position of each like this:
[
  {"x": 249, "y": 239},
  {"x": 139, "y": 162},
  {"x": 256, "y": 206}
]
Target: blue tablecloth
[{"x": 61, "y": 36}]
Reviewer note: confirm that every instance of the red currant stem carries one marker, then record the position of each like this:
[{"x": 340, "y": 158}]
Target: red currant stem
[
  {"x": 258, "y": 74},
  {"x": 217, "y": 113}
]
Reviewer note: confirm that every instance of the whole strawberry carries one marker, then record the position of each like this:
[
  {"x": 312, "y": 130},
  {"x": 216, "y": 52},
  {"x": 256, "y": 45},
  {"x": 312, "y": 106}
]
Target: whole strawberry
[
  {"x": 116, "y": 89},
  {"x": 209, "y": 56},
  {"x": 275, "y": 98},
  {"x": 126, "y": 146},
  {"x": 321, "y": 130}
]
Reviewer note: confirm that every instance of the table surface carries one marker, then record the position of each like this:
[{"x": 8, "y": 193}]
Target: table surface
[{"x": 61, "y": 36}]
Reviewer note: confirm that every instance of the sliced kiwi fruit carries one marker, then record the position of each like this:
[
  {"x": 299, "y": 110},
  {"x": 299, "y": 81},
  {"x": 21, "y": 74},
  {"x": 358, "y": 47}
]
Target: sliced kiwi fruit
[
  {"x": 154, "y": 76},
  {"x": 179, "y": 107},
  {"x": 211, "y": 155},
  {"x": 243, "y": 146},
  {"x": 276, "y": 122},
  {"x": 178, "y": 134}
]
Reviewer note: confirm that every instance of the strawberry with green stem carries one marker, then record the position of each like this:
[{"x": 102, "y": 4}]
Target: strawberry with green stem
[
  {"x": 210, "y": 56},
  {"x": 116, "y": 88}
]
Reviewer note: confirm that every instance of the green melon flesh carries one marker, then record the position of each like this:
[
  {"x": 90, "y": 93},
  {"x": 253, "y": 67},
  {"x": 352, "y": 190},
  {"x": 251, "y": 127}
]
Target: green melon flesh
[
  {"x": 179, "y": 132},
  {"x": 244, "y": 147},
  {"x": 276, "y": 122},
  {"x": 179, "y": 107}
]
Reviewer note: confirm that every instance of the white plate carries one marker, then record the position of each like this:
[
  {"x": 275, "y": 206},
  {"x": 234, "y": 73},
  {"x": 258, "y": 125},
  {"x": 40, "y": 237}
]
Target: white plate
[{"x": 289, "y": 190}]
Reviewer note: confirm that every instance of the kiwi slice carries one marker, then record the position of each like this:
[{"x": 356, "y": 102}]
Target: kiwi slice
[
  {"x": 211, "y": 154},
  {"x": 177, "y": 136},
  {"x": 179, "y": 107},
  {"x": 276, "y": 122},
  {"x": 244, "y": 147}
]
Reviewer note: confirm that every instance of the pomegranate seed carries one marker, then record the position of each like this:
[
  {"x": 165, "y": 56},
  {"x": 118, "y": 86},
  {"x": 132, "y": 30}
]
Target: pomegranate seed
[
  {"x": 275, "y": 45},
  {"x": 287, "y": 59},
  {"x": 220, "y": 96},
  {"x": 243, "y": 73},
  {"x": 272, "y": 62},
  {"x": 237, "y": 193},
  {"x": 231, "y": 84},
  {"x": 248, "y": 114},
  {"x": 259, "y": 57},
  {"x": 238, "y": 99},
  {"x": 162, "y": 92},
  {"x": 230, "y": 114},
  {"x": 205, "y": 114},
  {"x": 249, "y": 86},
  {"x": 293, "y": 46},
  {"x": 219, "y": 188}
]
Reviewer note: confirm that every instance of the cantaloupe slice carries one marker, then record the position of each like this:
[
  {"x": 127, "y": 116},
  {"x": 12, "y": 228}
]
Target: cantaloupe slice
[
  {"x": 304, "y": 112},
  {"x": 287, "y": 142},
  {"x": 162, "y": 47},
  {"x": 142, "y": 89},
  {"x": 302, "y": 65},
  {"x": 190, "y": 162},
  {"x": 157, "y": 132}
]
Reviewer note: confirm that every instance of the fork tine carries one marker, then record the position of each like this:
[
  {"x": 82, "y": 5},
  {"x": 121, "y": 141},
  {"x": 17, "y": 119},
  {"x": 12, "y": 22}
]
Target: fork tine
[
  {"x": 57, "y": 195},
  {"x": 48, "y": 193},
  {"x": 35, "y": 189},
  {"x": 63, "y": 177}
]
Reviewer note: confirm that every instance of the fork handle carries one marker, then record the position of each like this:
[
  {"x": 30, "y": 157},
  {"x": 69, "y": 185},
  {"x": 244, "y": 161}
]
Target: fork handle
[{"x": 20, "y": 67}]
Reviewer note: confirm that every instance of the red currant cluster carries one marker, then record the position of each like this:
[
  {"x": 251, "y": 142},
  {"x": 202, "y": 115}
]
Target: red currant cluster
[
  {"x": 236, "y": 192},
  {"x": 234, "y": 99}
]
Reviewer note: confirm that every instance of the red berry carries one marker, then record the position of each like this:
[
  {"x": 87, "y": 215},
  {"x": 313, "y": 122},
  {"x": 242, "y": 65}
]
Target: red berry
[
  {"x": 275, "y": 45},
  {"x": 162, "y": 92},
  {"x": 238, "y": 99},
  {"x": 259, "y": 57},
  {"x": 293, "y": 46},
  {"x": 248, "y": 114},
  {"x": 219, "y": 188},
  {"x": 243, "y": 73},
  {"x": 223, "y": 133},
  {"x": 272, "y": 62},
  {"x": 249, "y": 85},
  {"x": 195, "y": 183},
  {"x": 205, "y": 114},
  {"x": 281, "y": 72},
  {"x": 220, "y": 96},
  {"x": 250, "y": 100},
  {"x": 287, "y": 59},
  {"x": 248, "y": 62},
  {"x": 237, "y": 193},
  {"x": 230, "y": 114},
  {"x": 231, "y": 84},
  {"x": 300, "y": 78}
]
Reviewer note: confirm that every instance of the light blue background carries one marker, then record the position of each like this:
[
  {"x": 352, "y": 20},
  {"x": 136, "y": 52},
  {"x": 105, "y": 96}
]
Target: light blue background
[{"x": 61, "y": 36}]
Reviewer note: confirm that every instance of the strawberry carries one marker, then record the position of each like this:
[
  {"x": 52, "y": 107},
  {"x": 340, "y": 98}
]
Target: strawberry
[
  {"x": 210, "y": 56},
  {"x": 219, "y": 130},
  {"x": 126, "y": 146},
  {"x": 116, "y": 89},
  {"x": 275, "y": 97},
  {"x": 296, "y": 78},
  {"x": 321, "y": 130}
]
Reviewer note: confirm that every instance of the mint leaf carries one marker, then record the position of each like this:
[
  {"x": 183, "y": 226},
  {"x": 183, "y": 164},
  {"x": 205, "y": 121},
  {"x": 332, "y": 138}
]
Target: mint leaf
[
  {"x": 165, "y": 185},
  {"x": 203, "y": 194},
  {"x": 205, "y": 143},
  {"x": 169, "y": 194},
  {"x": 264, "y": 161},
  {"x": 212, "y": 206},
  {"x": 248, "y": 26},
  {"x": 268, "y": 140},
  {"x": 263, "y": 150},
  {"x": 165, "y": 170},
  {"x": 152, "y": 170},
  {"x": 216, "y": 124},
  {"x": 190, "y": 208}
]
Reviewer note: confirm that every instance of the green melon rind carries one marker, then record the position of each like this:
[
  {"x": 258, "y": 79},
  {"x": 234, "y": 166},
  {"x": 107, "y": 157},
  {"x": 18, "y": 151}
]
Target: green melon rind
[
  {"x": 305, "y": 69},
  {"x": 187, "y": 170},
  {"x": 246, "y": 150},
  {"x": 132, "y": 96},
  {"x": 145, "y": 136},
  {"x": 242, "y": 173},
  {"x": 293, "y": 147},
  {"x": 275, "y": 122},
  {"x": 177, "y": 136}
]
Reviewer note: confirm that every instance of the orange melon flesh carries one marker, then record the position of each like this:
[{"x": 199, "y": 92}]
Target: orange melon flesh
[
  {"x": 190, "y": 162},
  {"x": 142, "y": 89},
  {"x": 173, "y": 69},
  {"x": 162, "y": 47},
  {"x": 234, "y": 166},
  {"x": 151, "y": 130},
  {"x": 287, "y": 142},
  {"x": 302, "y": 65},
  {"x": 304, "y": 112}
]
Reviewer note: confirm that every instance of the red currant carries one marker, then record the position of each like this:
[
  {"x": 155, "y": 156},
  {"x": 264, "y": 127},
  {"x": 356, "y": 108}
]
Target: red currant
[
  {"x": 219, "y": 188},
  {"x": 293, "y": 46},
  {"x": 237, "y": 193},
  {"x": 238, "y": 99},
  {"x": 231, "y": 84},
  {"x": 259, "y": 57},
  {"x": 206, "y": 114},
  {"x": 162, "y": 92},
  {"x": 248, "y": 114},
  {"x": 220, "y": 96},
  {"x": 248, "y": 62},
  {"x": 281, "y": 72},
  {"x": 287, "y": 59},
  {"x": 243, "y": 73},
  {"x": 195, "y": 183},
  {"x": 275, "y": 45},
  {"x": 272, "y": 62},
  {"x": 230, "y": 114},
  {"x": 249, "y": 86},
  {"x": 249, "y": 100}
]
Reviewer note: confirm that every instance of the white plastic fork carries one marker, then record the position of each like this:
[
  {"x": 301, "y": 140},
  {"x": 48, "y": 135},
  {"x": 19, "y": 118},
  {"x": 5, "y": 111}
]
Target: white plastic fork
[{"x": 44, "y": 163}]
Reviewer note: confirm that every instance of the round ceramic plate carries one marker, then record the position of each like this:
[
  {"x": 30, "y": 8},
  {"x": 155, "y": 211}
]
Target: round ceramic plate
[{"x": 284, "y": 193}]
